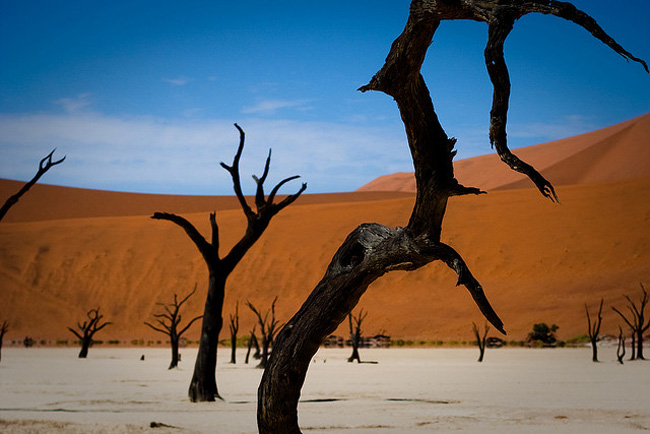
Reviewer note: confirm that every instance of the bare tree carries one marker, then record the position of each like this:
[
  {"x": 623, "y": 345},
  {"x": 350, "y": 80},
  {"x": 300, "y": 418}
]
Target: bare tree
[
  {"x": 252, "y": 342},
  {"x": 3, "y": 329},
  {"x": 234, "y": 328},
  {"x": 620, "y": 349},
  {"x": 169, "y": 323},
  {"x": 594, "y": 330},
  {"x": 268, "y": 328},
  {"x": 637, "y": 322},
  {"x": 372, "y": 249},
  {"x": 355, "y": 334},
  {"x": 45, "y": 165},
  {"x": 87, "y": 330},
  {"x": 203, "y": 386},
  {"x": 481, "y": 341}
]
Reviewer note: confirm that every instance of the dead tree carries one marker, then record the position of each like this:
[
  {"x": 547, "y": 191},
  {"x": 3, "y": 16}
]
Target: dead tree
[
  {"x": 355, "y": 334},
  {"x": 372, "y": 250},
  {"x": 620, "y": 350},
  {"x": 481, "y": 341},
  {"x": 169, "y": 323},
  {"x": 234, "y": 328},
  {"x": 594, "y": 330},
  {"x": 252, "y": 342},
  {"x": 203, "y": 386},
  {"x": 87, "y": 330},
  {"x": 3, "y": 330},
  {"x": 267, "y": 328},
  {"x": 637, "y": 322},
  {"x": 45, "y": 165}
]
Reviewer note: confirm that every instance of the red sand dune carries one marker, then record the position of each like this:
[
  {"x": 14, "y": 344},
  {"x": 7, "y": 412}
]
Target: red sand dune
[{"x": 64, "y": 251}]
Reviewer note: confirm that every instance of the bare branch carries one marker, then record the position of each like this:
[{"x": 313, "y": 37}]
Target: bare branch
[
  {"x": 234, "y": 174},
  {"x": 207, "y": 250}
]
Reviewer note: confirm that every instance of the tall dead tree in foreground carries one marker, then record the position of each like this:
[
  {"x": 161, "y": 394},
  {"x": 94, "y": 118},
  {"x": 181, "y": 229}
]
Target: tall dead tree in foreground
[
  {"x": 45, "y": 165},
  {"x": 169, "y": 323},
  {"x": 372, "y": 249},
  {"x": 481, "y": 341},
  {"x": 637, "y": 322},
  {"x": 203, "y": 386},
  {"x": 88, "y": 329},
  {"x": 3, "y": 330},
  {"x": 355, "y": 334},
  {"x": 594, "y": 330},
  {"x": 234, "y": 328},
  {"x": 267, "y": 328}
]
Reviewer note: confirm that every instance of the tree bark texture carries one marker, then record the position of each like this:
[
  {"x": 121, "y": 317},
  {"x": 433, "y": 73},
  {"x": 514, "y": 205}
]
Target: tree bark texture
[
  {"x": 203, "y": 386},
  {"x": 372, "y": 250}
]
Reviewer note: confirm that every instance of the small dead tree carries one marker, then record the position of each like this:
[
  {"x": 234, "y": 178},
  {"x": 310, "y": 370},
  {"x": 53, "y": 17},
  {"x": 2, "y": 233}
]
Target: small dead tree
[
  {"x": 169, "y": 323},
  {"x": 234, "y": 328},
  {"x": 637, "y": 321},
  {"x": 355, "y": 334},
  {"x": 3, "y": 330},
  {"x": 481, "y": 341},
  {"x": 45, "y": 165},
  {"x": 372, "y": 249},
  {"x": 88, "y": 329},
  {"x": 620, "y": 350},
  {"x": 268, "y": 328},
  {"x": 252, "y": 342},
  {"x": 594, "y": 330},
  {"x": 203, "y": 386}
]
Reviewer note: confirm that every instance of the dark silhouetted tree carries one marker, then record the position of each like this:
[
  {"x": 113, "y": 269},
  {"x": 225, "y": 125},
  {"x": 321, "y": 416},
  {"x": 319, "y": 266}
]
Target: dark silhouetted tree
[
  {"x": 252, "y": 342},
  {"x": 268, "y": 328},
  {"x": 234, "y": 328},
  {"x": 169, "y": 323},
  {"x": 637, "y": 322},
  {"x": 88, "y": 329},
  {"x": 203, "y": 386},
  {"x": 594, "y": 330},
  {"x": 372, "y": 250},
  {"x": 620, "y": 349},
  {"x": 45, "y": 165},
  {"x": 481, "y": 341},
  {"x": 355, "y": 334},
  {"x": 3, "y": 329}
]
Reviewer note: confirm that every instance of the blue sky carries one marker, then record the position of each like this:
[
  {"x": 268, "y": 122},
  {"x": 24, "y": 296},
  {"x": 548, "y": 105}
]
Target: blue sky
[{"x": 141, "y": 95}]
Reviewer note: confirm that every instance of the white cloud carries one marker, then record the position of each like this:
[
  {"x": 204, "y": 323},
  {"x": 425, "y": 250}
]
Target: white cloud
[
  {"x": 270, "y": 106},
  {"x": 178, "y": 81},
  {"x": 75, "y": 104}
]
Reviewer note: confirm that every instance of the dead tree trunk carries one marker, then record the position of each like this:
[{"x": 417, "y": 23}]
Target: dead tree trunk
[
  {"x": 268, "y": 330},
  {"x": 234, "y": 328},
  {"x": 481, "y": 341},
  {"x": 203, "y": 386},
  {"x": 3, "y": 330},
  {"x": 620, "y": 350},
  {"x": 169, "y": 322},
  {"x": 45, "y": 165},
  {"x": 355, "y": 335},
  {"x": 87, "y": 330},
  {"x": 252, "y": 342},
  {"x": 637, "y": 323},
  {"x": 594, "y": 330},
  {"x": 372, "y": 250}
]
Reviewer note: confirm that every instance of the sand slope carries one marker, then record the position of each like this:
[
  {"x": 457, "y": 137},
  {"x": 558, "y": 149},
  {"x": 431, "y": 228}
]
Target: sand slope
[{"x": 538, "y": 261}]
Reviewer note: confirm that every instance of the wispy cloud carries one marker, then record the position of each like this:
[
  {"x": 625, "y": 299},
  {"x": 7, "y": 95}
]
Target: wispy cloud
[
  {"x": 271, "y": 106},
  {"x": 178, "y": 81},
  {"x": 74, "y": 104}
]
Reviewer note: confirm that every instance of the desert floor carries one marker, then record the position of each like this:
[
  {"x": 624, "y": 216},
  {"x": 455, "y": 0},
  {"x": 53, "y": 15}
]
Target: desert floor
[{"x": 408, "y": 390}]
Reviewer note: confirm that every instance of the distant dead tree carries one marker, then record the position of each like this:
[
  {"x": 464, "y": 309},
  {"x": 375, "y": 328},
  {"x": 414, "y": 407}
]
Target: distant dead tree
[
  {"x": 203, "y": 386},
  {"x": 372, "y": 250},
  {"x": 87, "y": 330},
  {"x": 252, "y": 342},
  {"x": 3, "y": 329},
  {"x": 268, "y": 328},
  {"x": 637, "y": 320},
  {"x": 620, "y": 350},
  {"x": 169, "y": 323},
  {"x": 355, "y": 334},
  {"x": 481, "y": 341},
  {"x": 45, "y": 165},
  {"x": 594, "y": 330},
  {"x": 234, "y": 328}
]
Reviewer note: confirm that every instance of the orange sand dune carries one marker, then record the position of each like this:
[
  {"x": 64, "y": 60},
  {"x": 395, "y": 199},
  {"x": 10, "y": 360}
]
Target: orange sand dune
[
  {"x": 64, "y": 251},
  {"x": 614, "y": 153}
]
